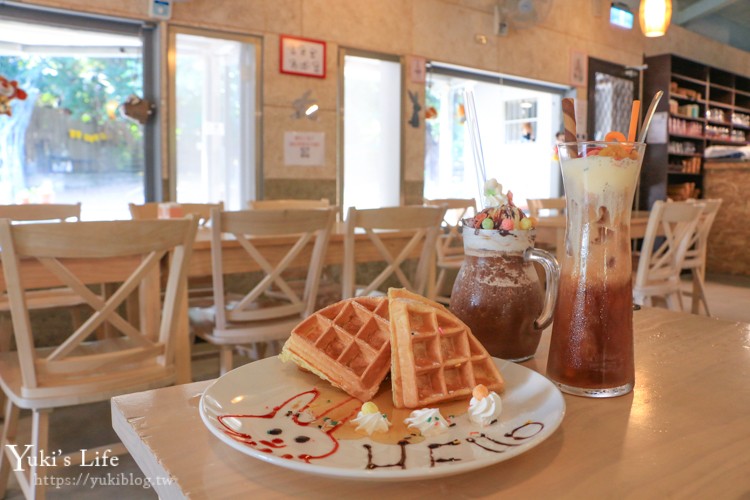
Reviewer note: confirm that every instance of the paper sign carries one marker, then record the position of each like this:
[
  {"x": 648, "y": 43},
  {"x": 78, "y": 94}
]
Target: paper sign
[
  {"x": 306, "y": 149},
  {"x": 657, "y": 134}
]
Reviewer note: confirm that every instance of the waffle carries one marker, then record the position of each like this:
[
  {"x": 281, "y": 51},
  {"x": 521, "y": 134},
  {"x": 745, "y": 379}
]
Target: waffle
[
  {"x": 346, "y": 343},
  {"x": 434, "y": 356}
]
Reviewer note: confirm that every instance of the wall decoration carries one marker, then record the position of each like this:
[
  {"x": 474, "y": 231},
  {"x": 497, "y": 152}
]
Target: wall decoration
[
  {"x": 306, "y": 149},
  {"x": 415, "y": 109},
  {"x": 8, "y": 91},
  {"x": 302, "y": 56},
  {"x": 417, "y": 69},
  {"x": 578, "y": 68}
]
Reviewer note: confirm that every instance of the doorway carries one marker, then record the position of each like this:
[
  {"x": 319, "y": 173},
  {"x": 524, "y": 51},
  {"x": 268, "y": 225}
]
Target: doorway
[
  {"x": 611, "y": 91},
  {"x": 371, "y": 129},
  {"x": 214, "y": 123}
]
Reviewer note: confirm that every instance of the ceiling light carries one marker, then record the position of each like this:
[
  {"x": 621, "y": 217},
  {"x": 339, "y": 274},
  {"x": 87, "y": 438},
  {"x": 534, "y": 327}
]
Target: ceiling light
[{"x": 655, "y": 16}]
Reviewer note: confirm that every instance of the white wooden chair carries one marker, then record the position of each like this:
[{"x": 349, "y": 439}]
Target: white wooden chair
[
  {"x": 254, "y": 316},
  {"x": 450, "y": 248},
  {"x": 288, "y": 204},
  {"x": 553, "y": 206},
  {"x": 695, "y": 257},
  {"x": 378, "y": 223},
  {"x": 150, "y": 210},
  {"x": 37, "y": 212},
  {"x": 80, "y": 369},
  {"x": 39, "y": 298},
  {"x": 658, "y": 272}
]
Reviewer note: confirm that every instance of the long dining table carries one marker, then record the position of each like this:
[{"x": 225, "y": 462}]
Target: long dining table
[{"x": 682, "y": 433}]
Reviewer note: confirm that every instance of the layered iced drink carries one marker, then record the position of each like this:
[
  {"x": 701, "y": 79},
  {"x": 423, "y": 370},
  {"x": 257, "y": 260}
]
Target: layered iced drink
[{"x": 591, "y": 350}]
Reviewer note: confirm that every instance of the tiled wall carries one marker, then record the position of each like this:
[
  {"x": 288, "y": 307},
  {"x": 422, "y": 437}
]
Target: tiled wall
[
  {"x": 442, "y": 30},
  {"x": 728, "y": 242}
]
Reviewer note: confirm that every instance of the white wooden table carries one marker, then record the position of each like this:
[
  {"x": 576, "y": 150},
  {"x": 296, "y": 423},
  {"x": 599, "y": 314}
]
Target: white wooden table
[{"x": 683, "y": 433}]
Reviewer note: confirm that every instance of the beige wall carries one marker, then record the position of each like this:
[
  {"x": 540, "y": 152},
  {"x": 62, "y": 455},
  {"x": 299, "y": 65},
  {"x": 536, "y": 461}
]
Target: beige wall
[{"x": 442, "y": 30}]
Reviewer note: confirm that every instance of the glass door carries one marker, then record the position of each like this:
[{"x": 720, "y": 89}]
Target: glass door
[
  {"x": 518, "y": 123},
  {"x": 214, "y": 150},
  {"x": 611, "y": 90},
  {"x": 72, "y": 137},
  {"x": 372, "y": 136}
]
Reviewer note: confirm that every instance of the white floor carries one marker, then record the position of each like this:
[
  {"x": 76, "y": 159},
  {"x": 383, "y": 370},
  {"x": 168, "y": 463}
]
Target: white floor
[{"x": 76, "y": 428}]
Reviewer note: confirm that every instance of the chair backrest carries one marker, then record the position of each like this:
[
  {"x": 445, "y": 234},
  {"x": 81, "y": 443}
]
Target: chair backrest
[
  {"x": 422, "y": 225},
  {"x": 41, "y": 212},
  {"x": 294, "y": 229},
  {"x": 536, "y": 205},
  {"x": 450, "y": 244},
  {"x": 695, "y": 257},
  {"x": 678, "y": 221},
  {"x": 74, "y": 255},
  {"x": 150, "y": 210},
  {"x": 287, "y": 204}
]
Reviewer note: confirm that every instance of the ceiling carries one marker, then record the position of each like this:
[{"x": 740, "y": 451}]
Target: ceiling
[{"x": 726, "y": 21}]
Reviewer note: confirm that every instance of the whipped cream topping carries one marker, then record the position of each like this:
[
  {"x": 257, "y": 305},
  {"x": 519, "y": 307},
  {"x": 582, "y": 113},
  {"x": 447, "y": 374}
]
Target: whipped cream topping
[
  {"x": 371, "y": 422},
  {"x": 486, "y": 410},
  {"x": 493, "y": 194},
  {"x": 428, "y": 421}
]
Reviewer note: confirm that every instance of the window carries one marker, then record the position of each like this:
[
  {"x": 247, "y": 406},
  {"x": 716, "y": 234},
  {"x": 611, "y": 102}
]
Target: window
[
  {"x": 215, "y": 147},
  {"x": 69, "y": 140},
  {"x": 517, "y": 122},
  {"x": 372, "y": 131}
]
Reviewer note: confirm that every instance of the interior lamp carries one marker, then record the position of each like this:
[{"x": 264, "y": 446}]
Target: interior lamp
[{"x": 655, "y": 16}]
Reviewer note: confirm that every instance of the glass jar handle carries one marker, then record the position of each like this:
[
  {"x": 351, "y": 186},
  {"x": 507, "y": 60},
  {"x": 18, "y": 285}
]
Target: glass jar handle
[{"x": 552, "y": 275}]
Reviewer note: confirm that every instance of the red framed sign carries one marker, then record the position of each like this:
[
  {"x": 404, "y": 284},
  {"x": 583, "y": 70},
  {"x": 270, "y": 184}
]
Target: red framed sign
[{"x": 302, "y": 56}]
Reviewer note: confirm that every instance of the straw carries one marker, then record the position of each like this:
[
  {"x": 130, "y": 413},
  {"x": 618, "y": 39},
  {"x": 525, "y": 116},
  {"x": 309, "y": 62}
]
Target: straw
[
  {"x": 636, "y": 109},
  {"x": 649, "y": 116},
  {"x": 476, "y": 140},
  {"x": 569, "y": 123}
]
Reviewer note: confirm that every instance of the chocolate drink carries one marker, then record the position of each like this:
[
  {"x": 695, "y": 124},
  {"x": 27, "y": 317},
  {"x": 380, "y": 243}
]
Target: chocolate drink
[
  {"x": 598, "y": 350},
  {"x": 496, "y": 298}
]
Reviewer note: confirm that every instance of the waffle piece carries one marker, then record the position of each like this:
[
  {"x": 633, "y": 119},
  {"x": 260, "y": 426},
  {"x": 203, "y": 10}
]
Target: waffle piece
[
  {"x": 346, "y": 344},
  {"x": 434, "y": 355}
]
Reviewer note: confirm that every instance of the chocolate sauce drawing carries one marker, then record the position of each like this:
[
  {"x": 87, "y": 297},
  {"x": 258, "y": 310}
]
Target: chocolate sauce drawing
[{"x": 401, "y": 463}]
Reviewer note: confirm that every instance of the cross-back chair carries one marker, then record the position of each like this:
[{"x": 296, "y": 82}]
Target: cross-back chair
[
  {"x": 150, "y": 210},
  {"x": 36, "y": 212},
  {"x": 695, "y": 257},
  {"x": 380, "y": 225},
  {"x": 661, "y": 259},
  {"x": 450, "y": 248},
  {"x": 253, "y": 315},
  {"x": 552, "y": 205},
  {"x": 288, "y": 204},
  {"x": 81, "y": 369}
]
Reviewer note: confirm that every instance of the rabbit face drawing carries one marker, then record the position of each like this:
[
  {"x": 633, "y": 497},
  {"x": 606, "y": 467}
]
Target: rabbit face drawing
[{"x": 288, "y": 431}]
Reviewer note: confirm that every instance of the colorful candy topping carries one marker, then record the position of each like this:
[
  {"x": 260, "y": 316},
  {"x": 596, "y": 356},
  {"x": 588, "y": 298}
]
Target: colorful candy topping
[
  {"x": 369, "y": 419},
  {"x": 427, "y": 421},
  {"x": 501, "y": 214}
]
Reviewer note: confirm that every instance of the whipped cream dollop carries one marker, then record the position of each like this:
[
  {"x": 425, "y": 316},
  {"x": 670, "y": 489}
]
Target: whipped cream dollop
[
  {"x": 369, "y": 419},
  {"x": 485, "y": 407},
  {"x": 493, "y": 194},
  {"x": 428, "y": 421}
]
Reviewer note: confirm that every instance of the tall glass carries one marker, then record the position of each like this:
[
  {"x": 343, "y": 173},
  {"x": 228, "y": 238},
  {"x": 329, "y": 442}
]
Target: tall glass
[{"x": 591, "y": 351}]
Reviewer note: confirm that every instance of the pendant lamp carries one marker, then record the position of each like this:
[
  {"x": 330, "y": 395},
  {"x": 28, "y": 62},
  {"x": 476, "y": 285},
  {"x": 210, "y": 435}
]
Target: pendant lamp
[{"x": 655, "y": 16}]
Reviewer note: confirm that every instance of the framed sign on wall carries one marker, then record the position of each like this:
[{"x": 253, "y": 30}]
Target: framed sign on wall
[{"x": 302, "y": 56}]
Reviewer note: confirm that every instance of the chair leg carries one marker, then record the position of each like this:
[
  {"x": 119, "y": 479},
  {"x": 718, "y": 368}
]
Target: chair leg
[
  {"x": 225, "y": 359},
  {"x": 6, "y": 335},
  {"x": 699, "y": 293},
  {"x": 8, "y": 437},
  {"x": 39, "y": 442}
]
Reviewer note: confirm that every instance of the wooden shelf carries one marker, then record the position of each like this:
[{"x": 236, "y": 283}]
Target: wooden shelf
[{"x": 718, "y": 89}]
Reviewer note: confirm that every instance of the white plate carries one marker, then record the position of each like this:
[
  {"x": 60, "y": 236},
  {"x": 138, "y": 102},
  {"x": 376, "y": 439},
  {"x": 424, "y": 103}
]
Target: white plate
[{"x": 261, "y": 409}]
